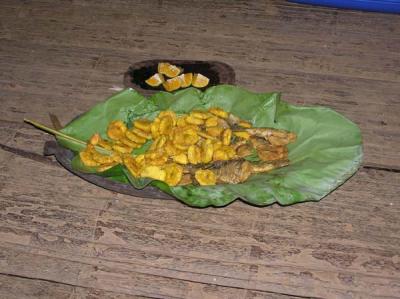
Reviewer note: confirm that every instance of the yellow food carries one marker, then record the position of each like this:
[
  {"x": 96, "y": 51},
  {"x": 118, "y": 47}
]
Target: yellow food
[
  {"x": 166, "y": 124},
  {"x": 244, "y": 124},
  {"x": 194, "y": 154},
  {"x": 94, "y": 139},
  {"x": 116, "y": 130},
  {"x": 143, "y": 124},
  {"x": 129, "y": 143},
  {"x": 186, "y": 79},
  {"x": 177, "y": 79},
  {"x": 153, "y": 172},
  {"x": 87, "y": 159},
  {"x": 155, "y": 80},
  {"x": 203, "y": 146},
  {"x": 219, "y": 112},
  {"x": 172, "y": 84},
  {"x": 173, "y": 174},
  {"x": 141, "y": 133},
  {"x": 205, "y": 177},
  {"x": 155, "y": 128},
  {"x": 200, "y": 114},
  {"x": 181, "y": 159},
  {"x": 194, "y": 120},
  {"x": 134, "y": 137},
  {"x": 168, "y": 69},
  {"x": 200, "y": 80},
  {"x": 207, "y": 151},
  {"x": 214, "y": 131},
  {"x": 212, "y": 122},
  {"x": 106, "y": 166},
  {"x": 242, "y": 134},
  {"x": 122, "y": 149},
  {"x": 226, "y": 136}
]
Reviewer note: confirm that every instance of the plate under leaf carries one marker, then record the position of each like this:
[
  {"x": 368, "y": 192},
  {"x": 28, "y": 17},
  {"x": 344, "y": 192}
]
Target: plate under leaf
[{"x": 327, "y": 152}]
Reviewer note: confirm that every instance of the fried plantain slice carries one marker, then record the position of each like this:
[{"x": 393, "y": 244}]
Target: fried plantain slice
[
  {"x": 226, "y": 136},
  {"x": 134, "y": 137},
  {"x": 173, "y": 174},
  {"x": 194, "y": 154},
  {"x": 116, "y": 130},
  {"x": 219, "y": 112},
  {"x": 207, "y": 151},
  {"x": 142, "y": 124},
  {"x": 205, "y": 177},
  {"x": 153, "y": 172}
]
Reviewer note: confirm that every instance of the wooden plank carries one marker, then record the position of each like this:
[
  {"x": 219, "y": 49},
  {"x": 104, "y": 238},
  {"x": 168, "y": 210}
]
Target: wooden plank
[
  {"x": 104, "y": 280},
  {"x": 143, "y": 18},
  {"x": 264, "y": 246},
  {"x": 14, "y": 287}
]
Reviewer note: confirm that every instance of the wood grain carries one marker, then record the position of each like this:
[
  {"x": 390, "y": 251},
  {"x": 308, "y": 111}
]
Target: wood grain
[
  {"x": 61, "y": 237},
  {"x": 238, "y": 246}
]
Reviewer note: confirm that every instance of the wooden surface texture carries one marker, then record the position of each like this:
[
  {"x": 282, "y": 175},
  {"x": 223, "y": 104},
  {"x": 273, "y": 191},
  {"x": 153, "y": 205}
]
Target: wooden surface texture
[{"x": 61, "y": 237}]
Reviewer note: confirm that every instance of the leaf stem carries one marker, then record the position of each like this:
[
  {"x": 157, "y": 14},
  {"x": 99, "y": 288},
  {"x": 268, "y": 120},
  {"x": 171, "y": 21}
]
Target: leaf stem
[
  {"x": 53, "y": 131},
  {"x": 62, "y": 135}
]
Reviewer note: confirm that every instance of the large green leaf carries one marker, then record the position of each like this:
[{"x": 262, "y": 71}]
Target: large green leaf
[{"x": 327, "y": 151}]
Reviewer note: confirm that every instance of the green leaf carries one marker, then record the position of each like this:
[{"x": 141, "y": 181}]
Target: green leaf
[
  {"x": 327, "y": 152},
  {"x": 138, "y": 183},
  {"x": 143, "y": 148},
  {"x": 125, "y": 105},
  {"x": 253, "y": 157}
]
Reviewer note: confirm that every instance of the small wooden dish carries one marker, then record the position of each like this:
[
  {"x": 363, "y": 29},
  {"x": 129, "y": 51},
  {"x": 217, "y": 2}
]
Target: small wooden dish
[{"x": 217, "y": 72}]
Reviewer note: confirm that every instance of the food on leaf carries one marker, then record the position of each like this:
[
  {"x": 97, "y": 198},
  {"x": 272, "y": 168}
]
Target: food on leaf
[
  {"x": 173, "y": 174},
  {"x": 116, "y": 130},
  {"x": 219, "y": 112},
  {"x": 226, "y": 136},
  {"x": 242, "y": 134},
  {"x": 153, "y": 172},
  {"x": 141, "y": 133},
  {"x": 207, "y": 151},
  {"x": 122, "y": 148},
  {"x": 155, "y": 80},
  {"x": 106, "y": 166},
  {"x": 134, "y": 137},
  {"x": 204, "y": 146},
  {"x": 244, "y": 124},
  {"x": 200, "y": 80},
  {"x": 194, "y": 120},
  {"x": 205, "y": 177},
  {"x": 194, "y": 154},
  {"x": 234, "y": 172},
  {"x": 211, "y": 121},
  {"x": 87, "y": 159},
  {"x": 143, "y": 124},
  {"x": 181, "y": 158}
]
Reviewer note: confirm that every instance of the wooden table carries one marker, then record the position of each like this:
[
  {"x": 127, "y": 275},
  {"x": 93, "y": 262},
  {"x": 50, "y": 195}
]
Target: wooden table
[{"x": 61, "y": 237}]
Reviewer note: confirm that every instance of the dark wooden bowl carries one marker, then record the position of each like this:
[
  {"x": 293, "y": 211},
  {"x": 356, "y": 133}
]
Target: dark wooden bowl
[{"x": 217, "y": 72}]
